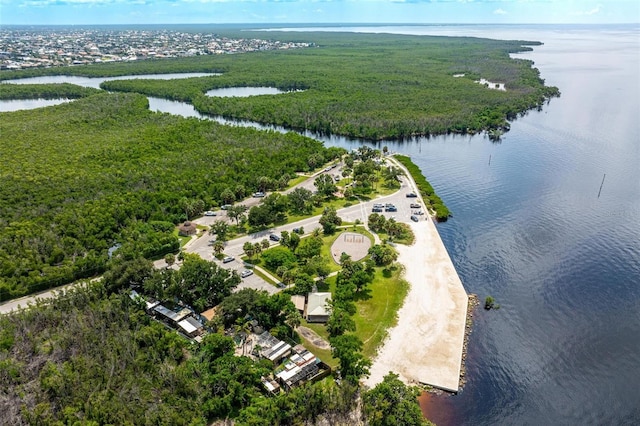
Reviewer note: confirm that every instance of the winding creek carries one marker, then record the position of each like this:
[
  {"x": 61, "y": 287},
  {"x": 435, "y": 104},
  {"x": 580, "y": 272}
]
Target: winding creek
[{"x": 530, "y": 229}]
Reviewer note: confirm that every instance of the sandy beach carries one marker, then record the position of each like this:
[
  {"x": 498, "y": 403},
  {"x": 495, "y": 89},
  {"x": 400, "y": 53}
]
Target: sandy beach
[{"x": 426, "y": 344}]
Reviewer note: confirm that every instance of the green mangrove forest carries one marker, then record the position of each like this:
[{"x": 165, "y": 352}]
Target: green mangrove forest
[
  {"x": 79, "y": 177},
  {"x": 360, "y": 85}
]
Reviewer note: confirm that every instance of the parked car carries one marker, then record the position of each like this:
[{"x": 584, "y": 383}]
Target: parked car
[
  {"x": 280, "y": 285},
  {"x": 377, "y": 210},
  {"x": 411, "y": 195},
  {"x": 228, "y": 259},
  {"x": 298, "y": 230},
  {"x": 210, "y": 213},
  {"x": 259, "y": 194},
  {"x": 414, "y": 218},
  {"x": 226, "y": 207},
  {"x": 274, "y": 237},
  {"x": 246, "y": 273},
  {"x": 390, "y": 209},
  {"x": 415, "y": 206}
]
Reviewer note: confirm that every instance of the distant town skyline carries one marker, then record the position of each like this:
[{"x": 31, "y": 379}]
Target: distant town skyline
[{"x": 93, "y": 12}]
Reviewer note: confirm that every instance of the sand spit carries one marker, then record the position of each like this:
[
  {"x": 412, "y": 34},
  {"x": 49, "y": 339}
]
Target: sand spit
[{"x": 426, "y": 345}]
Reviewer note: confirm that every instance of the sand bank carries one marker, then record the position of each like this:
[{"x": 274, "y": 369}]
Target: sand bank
[{"x": 426, "y": 345}]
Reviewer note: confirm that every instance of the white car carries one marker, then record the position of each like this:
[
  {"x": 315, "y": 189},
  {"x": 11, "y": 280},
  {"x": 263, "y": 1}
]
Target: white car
[
  {"x": 228, "y": 259},
  {"x": 246, "y": 273},
  {"x": 210, "y": 213}
]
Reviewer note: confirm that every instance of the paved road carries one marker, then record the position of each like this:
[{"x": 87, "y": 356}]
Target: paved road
[
  {"x": 233, "y": 248},
  {"x": 23, "y": 302}
]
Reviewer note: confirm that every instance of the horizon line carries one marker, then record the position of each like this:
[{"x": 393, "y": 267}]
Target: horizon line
[{"x": 281, "y": 24}]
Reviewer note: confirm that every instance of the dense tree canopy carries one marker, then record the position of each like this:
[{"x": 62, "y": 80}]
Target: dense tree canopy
[
  {"x": 363, "y": 85},
  {"x": 112, "y": 171},
  {"x": 393, "y": 403}
]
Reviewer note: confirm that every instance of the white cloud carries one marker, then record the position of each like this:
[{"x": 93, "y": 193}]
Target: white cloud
[
  {"x": 590, "y": 12},
  {"x": 594, "y": 10},
  {"x": 499, "y": 11}
]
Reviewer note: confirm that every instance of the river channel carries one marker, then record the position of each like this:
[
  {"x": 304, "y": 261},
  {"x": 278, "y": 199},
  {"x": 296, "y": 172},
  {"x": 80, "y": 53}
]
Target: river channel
[{"x": 531, "y": 228}]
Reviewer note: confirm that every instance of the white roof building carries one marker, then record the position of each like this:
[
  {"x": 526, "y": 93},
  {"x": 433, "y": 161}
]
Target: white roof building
[{"x": 317, "y": 307}]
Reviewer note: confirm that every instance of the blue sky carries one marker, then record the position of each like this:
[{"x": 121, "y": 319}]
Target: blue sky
[{"x": 62, "y": 12}]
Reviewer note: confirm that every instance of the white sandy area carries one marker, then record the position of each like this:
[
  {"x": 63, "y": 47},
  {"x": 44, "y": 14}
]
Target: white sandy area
[{"x": 426, "y": 344}]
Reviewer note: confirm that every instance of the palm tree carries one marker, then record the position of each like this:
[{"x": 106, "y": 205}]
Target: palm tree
[
  {"x": 249, "y": 249},
  {"x": 236, "y": 212},
  {"x": 218, "y": 247},
  {"x": 293, "y": 320},
  {"x": 288, "y": 277},
  {"x": 246, "y": 330}
]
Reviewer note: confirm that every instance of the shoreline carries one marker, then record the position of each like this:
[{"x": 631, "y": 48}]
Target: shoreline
[
  {"x": 474, "y": 302},
  {"x": 426, "y": 344}
]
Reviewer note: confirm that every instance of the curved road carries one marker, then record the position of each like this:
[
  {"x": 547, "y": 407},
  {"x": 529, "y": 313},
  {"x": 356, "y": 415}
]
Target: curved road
[{"x": 233, "y": 248}]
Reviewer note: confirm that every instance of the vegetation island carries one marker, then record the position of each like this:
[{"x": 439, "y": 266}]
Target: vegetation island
[{"x": 97, "y": 188}]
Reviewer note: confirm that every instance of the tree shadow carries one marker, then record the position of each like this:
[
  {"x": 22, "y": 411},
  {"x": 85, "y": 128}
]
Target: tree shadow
[{"x": 364, "y": 294}]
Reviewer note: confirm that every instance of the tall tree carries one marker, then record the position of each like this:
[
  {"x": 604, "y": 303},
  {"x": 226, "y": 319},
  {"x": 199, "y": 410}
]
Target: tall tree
[
  {"x": 219, "y": 228},
  {"x": 393, "y": 403},
  {"x": 236, "y": 212},
  {"x": 330, "y": 220},
  {"x": 353, "y": 365}
]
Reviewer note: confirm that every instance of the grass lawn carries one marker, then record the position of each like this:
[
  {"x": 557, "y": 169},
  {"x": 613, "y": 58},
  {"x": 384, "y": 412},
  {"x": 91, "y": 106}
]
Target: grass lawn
[
  {"x": 263, "y": 276},
  {"x": 297, "y": 180},
  {"x": 408, "y": 239},
  {"x": 378, "y": 313},
  {"x": 374, "y": 315},
  {"x": 323, "y": 354},
  {"x": 183, "y": 240}
]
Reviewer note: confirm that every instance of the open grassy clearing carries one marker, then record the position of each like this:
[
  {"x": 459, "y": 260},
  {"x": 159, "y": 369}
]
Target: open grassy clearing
[{"x": 377, "y": 313}]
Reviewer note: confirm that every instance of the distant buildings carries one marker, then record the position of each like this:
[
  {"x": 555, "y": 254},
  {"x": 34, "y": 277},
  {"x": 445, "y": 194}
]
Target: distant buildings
[
  {"x": 297, "y": 364},
  {"x": 29, "y": 47},
  {"x": 293, "y": 365}
]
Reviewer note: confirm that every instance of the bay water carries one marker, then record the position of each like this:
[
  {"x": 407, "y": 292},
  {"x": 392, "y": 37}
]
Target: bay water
[
  {"x": 532, "y": 228},
  {"x": 547, "y": 221}
]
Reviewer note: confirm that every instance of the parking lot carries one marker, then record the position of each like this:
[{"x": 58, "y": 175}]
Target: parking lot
[{"x": 397, "y": 206}]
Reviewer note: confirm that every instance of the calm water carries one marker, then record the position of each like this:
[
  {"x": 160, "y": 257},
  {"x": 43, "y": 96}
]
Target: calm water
[
  {"x": 243, "y": 92},
  {"x": 530, "y": 230},
  {"x": 20, "y": 104},
  {"x": 95, "y": 81}
]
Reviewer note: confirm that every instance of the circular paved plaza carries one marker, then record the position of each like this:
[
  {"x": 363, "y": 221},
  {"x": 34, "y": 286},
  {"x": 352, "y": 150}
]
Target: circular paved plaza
[{"x": 355, "y": 245}]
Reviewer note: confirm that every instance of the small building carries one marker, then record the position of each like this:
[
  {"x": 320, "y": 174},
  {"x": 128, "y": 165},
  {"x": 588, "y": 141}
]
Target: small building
[
  {"x": 301, "y": 367},
  {"x": 272, "y": 348},
  {"x": 210, "y": 313},
  {"x": 149, "y": 303},
  {"x": 170, "y": 316},
  {"x": 317, "y": 307},
  {"x": 270, "y": 385},
  {"x": 187, "y": 229},
  {"x": 191, "y": 327},
  {"x": 299, "y": 302}
]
